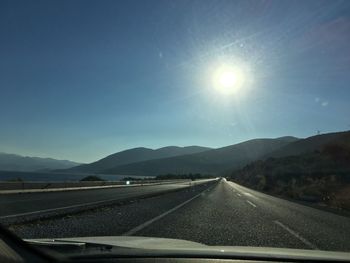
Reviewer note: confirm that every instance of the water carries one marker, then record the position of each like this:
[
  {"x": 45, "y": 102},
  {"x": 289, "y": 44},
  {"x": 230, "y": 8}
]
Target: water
[{"x": 51, "y": 177}]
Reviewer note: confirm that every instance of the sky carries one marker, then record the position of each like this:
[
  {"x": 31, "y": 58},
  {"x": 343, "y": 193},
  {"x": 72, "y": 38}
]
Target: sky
[{"x": 83, "y": 79}]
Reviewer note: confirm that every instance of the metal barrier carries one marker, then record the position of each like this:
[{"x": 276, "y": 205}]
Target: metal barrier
[{"x": 52, "y": 185}]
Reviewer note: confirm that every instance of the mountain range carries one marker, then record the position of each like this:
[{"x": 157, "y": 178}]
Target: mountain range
[
  {"x": 314, "y": 169},
  {"x": 196, "y": 159},
  {"x": 133, "y": 156},
  {"x": 212, "y": 161},
  {"x": 311, "y": 144},
  {"x": 14, "y": 162},
  {"x": 180, "y": 160}
]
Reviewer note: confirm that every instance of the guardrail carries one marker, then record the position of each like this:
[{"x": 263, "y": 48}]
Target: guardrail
[{"x": 54, "y": 185}]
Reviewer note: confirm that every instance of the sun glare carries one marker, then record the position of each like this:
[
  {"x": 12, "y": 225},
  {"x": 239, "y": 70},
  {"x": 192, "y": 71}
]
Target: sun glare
[{"x": 228, "y": 79}]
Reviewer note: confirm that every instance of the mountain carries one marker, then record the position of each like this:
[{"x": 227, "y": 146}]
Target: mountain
[
  {"x": 134, "y": 155},
  {"x": 311, "y": 144},
  {"x": 210, "y": 161},
  {"x": 13, "y": 162},
  {"x": 313, "y": 169}
]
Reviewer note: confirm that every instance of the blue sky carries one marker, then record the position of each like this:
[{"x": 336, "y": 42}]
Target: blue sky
[{"x": 82, "y": 79}]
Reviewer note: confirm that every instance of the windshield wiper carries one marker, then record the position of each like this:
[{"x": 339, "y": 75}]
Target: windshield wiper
[
  {"x": 55, "y": 242},
  {"x": 68, "y": 245}
]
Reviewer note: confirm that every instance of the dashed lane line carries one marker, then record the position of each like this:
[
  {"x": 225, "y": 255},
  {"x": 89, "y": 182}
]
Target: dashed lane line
[
  {"x": 151, "y": 221},
  {"x": 295, "y": 234},
  {"x": 252, "y": 204}
]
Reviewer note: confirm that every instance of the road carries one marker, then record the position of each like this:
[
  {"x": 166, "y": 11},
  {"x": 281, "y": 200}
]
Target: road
[
  {"x": 16, "y": 205},
  {"x": 220, "y": 213}
]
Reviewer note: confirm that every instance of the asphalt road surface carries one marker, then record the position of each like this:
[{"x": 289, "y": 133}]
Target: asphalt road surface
[
  {"x": 220, "y": 213},
  {"x": 17, "y": 205}
]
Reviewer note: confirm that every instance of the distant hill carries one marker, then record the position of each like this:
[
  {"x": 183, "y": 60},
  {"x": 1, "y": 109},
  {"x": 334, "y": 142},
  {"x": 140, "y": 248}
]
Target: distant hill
[
  {"x": 313, "y": 169},
  {"x": 210, "y": 161},
  {"x": 310, "y": 144},
  {"x": 134, "y": 155},
  {"x": 13, "y": 162}
]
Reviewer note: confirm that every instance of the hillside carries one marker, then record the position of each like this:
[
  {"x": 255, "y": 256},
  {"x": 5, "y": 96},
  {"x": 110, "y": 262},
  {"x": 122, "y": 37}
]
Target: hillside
[
  {"x": 134, "y": 155},
  {"x": 310, "y": 144},
  {"x": 319, "y": 173},
  {"x": 211, "y": 161},
  {"x": 13, "y": 162}
]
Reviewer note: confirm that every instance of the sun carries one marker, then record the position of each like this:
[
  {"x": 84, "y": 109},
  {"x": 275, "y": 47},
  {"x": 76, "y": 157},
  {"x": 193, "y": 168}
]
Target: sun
[{"x": 228, "y": 79}]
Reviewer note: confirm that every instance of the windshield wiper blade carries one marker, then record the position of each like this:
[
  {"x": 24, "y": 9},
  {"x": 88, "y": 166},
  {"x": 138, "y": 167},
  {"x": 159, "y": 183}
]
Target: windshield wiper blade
[
  {"x": 69, "y": 246},
  {"x": 55, "y": 243}
]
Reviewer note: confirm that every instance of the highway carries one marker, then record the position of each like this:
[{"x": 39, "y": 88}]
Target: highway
[
  {"x": 220, "y": 213},
  {"x": 31, "y": 204}
]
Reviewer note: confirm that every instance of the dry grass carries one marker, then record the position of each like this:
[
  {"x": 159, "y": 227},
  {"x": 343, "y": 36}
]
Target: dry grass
[{"x": 341, "y": 198}]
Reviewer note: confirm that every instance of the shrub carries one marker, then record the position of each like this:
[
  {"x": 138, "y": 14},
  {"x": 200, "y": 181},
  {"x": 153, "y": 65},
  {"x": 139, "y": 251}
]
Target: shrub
[{"x": 91, "y": 178}]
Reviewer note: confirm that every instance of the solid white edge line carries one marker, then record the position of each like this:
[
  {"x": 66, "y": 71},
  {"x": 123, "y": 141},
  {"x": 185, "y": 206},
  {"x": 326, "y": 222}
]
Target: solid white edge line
[
  {"x": 149, "y": 222},
  {"x": 49, "y": 190},
  {"x": 249, "y": 194},
  {"x": 295, "y": 234},
  {"x": 60, "y": 208},
  {"x": 57, "y": 209},
  {"x": 252, "y": 204}
]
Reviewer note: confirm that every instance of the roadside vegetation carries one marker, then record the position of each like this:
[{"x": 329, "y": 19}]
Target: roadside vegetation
[
  {"x": 322, "y": 176},
  {"x": 91, "y": 178},
  {"x": 17, "y": 179},
  {"x": 191, "y": 176}
]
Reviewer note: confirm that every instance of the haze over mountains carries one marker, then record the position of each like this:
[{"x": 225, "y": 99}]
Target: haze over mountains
[
  {"x": 208, "y": 162},
  {"x": 146, "y": 162},
  {"x": 135, "y": 155},
  {"x": 179, "y": 160},
  {"x": 14, "y": 162},
  {"x": 195, "y": 159}
]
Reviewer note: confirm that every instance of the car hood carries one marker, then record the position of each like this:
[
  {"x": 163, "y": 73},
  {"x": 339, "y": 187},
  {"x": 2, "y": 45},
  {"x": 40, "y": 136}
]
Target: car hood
[{"x": 178, "y": 247}]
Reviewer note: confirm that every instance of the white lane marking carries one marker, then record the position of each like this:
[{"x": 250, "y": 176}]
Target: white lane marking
[
  {"x": 241, "y": 188},
  {"x": 151, "y": 221},
  {"x": 66, "y": 207},
  {"x": 295, "y": 234},
  {"x": 49, "y": 190},
  {"x": 239, "y": 194},
  {"x": 58, "y": 208},
  {"x": 71, "y": 206},
  {"x": 28, "y": 191},
  {"x": 252, "y": 204}
]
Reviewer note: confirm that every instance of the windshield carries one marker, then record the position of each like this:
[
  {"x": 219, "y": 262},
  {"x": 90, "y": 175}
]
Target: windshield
[{"x": 222, "y": 123}]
